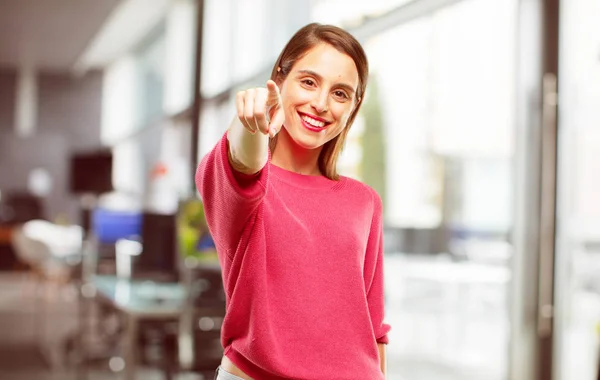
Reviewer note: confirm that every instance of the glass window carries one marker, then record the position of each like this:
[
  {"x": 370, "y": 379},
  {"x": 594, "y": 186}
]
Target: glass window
[
  {"x": 250, "y": 26},
  {"x": 577, "y": 287},
  {"x": 121, "y": 110},
  {"x": 132, "y": 108},
  {"x": 216, "y": 117},
  {"x": 343, "y": 13},
  {"x": 242, "y": 39},
  {"x": 444, "y": 86},
  {"x": 151, "y": 59},
  {"x": 217, "y": 53},
  {"x": 180, "y": 56},
  {"x": 128, "y": 168}
]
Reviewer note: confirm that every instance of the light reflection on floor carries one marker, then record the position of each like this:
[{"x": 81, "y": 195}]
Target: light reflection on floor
[{"x": 449, "y": 319}]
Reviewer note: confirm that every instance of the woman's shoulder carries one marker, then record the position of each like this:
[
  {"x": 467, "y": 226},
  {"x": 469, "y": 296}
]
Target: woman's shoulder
[{"x": 361, "y": 189}]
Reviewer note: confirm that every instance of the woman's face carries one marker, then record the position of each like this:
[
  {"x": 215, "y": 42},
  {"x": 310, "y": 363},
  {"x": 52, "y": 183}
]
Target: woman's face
[{"x": 318, "y": 95}]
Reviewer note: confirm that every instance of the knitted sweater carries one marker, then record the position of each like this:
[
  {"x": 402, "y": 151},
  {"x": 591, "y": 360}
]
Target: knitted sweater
[{"x": 302, "y": 261}]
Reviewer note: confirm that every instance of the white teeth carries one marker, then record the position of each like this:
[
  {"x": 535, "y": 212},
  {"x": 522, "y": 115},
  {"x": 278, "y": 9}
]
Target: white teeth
[{"x": 313, "y": 122}]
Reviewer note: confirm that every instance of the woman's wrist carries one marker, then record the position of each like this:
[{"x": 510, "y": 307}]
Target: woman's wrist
[{"x": 248, "y": 152}]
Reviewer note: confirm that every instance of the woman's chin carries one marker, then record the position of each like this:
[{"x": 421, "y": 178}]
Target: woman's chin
[
  {"x": 305, "y": 141},
  {"x": 308, "y": 142}
]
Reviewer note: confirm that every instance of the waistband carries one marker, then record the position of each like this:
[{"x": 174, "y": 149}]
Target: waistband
[{"x": 221, "y": 374}]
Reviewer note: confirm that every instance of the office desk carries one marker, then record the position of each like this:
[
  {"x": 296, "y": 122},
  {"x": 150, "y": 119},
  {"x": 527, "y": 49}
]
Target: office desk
[
  {"x": 8, "y": 259},
  {"x": 139, "y": 300}
]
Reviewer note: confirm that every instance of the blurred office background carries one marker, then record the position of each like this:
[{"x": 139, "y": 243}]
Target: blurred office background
[{"x": 480, "y": 130}]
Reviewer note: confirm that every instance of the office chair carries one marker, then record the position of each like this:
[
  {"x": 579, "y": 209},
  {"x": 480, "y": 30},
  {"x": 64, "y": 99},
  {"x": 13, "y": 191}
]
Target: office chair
[
  {"x": 52, "y": 251},
  {"x": 197, "y": 345}
]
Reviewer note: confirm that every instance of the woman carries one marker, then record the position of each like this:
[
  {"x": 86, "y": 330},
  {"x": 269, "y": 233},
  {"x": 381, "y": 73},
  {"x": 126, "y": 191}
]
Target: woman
[{"x": 300, "y": 246}]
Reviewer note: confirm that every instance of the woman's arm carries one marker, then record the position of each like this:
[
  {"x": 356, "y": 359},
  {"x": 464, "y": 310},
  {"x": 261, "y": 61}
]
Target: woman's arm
[
  {"x": 382, "y": 358},
  {"x": 226, "y": 178},
  {"x": 373, "y": 271}
]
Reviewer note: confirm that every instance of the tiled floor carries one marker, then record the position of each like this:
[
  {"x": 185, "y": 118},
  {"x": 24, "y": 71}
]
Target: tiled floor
[
  {"x": 449, "y": 322},
  {"x": 432, "y": 338},
  {"x": 20, "y": 359}
]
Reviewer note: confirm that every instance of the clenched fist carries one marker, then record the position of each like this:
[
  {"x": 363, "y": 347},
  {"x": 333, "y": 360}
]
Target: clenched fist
[{"x": 261, "y": 109}]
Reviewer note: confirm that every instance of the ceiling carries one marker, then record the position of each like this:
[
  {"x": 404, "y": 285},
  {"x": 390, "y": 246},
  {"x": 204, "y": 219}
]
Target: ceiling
[{"x": 49, "y": 34}]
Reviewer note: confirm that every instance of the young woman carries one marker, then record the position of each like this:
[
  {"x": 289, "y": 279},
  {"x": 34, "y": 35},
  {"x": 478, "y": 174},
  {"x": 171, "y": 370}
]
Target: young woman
[{"x": 300, "y": 246}]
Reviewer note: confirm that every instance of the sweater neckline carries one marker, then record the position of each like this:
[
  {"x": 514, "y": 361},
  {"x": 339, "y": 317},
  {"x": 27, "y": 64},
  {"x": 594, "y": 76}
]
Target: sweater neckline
[{"x": 304, "y": 180}]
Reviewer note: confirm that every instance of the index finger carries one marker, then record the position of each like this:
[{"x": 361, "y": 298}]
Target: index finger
[{"x": 274, "y": 94}]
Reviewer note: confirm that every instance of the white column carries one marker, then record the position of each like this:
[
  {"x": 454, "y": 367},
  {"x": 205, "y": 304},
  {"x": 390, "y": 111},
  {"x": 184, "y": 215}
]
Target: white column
[{"x": 26, "y": 102}]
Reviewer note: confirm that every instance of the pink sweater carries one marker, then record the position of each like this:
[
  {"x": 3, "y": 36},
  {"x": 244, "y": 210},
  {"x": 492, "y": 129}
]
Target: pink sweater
[{"x": 302, "y": 261}]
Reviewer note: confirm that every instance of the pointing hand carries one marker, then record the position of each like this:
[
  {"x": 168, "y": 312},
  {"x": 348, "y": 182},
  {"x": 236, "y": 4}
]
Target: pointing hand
[{"x": 256, "y": 104}]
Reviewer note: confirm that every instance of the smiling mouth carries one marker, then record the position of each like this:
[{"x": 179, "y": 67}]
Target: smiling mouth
[{"x": 313, "y": 123}]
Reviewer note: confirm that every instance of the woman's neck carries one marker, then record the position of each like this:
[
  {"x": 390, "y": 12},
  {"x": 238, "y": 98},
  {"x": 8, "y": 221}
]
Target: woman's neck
[{"x": 289, "y": 156}]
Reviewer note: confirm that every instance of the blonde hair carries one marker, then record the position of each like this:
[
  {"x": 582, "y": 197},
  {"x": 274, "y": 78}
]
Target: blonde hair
[{"x": 305, "y": 39}]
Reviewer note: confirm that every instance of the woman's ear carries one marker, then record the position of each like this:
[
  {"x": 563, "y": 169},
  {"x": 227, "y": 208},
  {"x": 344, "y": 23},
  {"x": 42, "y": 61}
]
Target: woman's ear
[
  {"x": 357, "y": 105},
  {"x": 279, "y": 80}
]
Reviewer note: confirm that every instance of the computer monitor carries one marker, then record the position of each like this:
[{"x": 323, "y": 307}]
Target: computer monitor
[
  {"x": 159, "y": 247},
  {"x": 91, "y": 172}
]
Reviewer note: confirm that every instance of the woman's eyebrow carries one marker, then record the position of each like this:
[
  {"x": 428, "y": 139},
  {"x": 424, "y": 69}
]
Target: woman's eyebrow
[{"x": 345, "y": 86}]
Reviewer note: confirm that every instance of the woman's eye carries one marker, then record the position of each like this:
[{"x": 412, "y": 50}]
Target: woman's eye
[
  {"x": 308, "y": 82},
  {"x": 340, "y": 94}
]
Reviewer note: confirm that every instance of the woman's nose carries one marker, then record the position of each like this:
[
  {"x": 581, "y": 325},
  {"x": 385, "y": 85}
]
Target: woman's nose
[{"x": 320, "y": 103}]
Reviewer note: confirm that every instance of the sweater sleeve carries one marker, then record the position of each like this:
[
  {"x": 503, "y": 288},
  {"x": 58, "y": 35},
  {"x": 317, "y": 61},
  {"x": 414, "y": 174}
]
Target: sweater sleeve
[
  {"x": 374, "y": 273},
  {"x": 229, "y": 197}
]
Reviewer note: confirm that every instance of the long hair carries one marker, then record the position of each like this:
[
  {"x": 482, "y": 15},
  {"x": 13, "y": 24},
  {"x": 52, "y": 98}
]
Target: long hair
[{"x": 305, "y": 39}]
